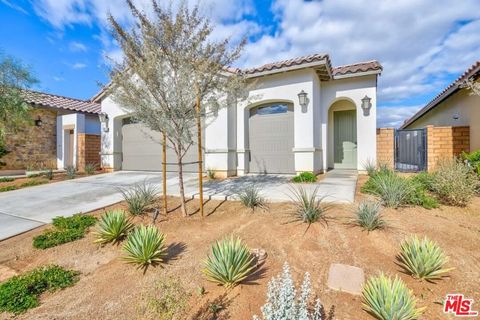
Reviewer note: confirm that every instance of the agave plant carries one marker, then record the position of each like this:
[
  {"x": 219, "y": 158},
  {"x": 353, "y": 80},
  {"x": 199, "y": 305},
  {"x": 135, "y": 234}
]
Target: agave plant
[
  {"x": 229, "y": 263},
  {"x": 145, "y": 246},
  {"x": 390, "y": 299},
  {"x": 139, "y": 197},
  {"x": 112, "y": 227},
  {"x": 251, "y": 198},
  {"x": 369, "y": 216},
  {"x": 309, "y": 207},
  {"x": 423, "y": 259}
]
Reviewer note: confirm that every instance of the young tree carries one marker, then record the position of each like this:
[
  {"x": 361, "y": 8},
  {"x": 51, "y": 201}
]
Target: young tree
[
  {"x": 171, "y": 74},
  {"x": 14, "y": 112}
]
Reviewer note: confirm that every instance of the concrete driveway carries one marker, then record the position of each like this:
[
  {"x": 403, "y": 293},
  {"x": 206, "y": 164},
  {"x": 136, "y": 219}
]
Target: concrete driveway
[{"x": 25, "y": 209}]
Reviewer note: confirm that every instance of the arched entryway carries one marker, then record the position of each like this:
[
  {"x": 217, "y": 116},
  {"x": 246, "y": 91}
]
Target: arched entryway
[
  {"x": 343, "y": 135},
  {"x": 271, "y": 138}
]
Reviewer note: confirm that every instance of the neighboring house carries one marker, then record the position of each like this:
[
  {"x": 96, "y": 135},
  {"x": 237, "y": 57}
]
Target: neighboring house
[
  {"x": 455, "y": 106},
  {"x": 304, "y": 115},
  {"x": 64, "y": 132}
]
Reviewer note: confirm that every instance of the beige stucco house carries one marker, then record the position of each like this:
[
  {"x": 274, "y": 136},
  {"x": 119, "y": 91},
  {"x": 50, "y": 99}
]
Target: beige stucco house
[{"x": 455, "y": 106}]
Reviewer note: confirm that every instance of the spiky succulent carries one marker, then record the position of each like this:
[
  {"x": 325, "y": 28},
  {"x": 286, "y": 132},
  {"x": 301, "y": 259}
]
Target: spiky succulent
[
  {"x": 229, "y": 263},
  {"x": 423, "y": 258},
  {"x": 145, "y": 246},
  {"x": 389, "y": 299},
  {"x": 309, "y": 206},
  {"x": 369, "y": 217},
  {"x": 112, "y": 227},
  {"x": 251, "y": 198}
]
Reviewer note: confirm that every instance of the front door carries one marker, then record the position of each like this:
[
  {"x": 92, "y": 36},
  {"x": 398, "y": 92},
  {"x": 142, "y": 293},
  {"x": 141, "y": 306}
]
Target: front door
[{"x": 345, "y": 139}]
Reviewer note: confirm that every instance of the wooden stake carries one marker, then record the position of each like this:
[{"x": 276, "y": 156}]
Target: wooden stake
[
  {"x": 164, "y": 172},
  {"x": 200, "y": 156}
]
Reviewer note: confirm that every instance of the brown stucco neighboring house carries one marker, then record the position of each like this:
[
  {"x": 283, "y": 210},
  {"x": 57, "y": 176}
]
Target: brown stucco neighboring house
[
  {"x": 65, "y": 131},
  {"x": 455, "y": 106}
]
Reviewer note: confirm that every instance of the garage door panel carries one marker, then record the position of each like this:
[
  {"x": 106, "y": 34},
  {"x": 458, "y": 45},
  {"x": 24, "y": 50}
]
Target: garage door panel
[
  {"x": 142, "y": 150},
  {"x": 271, "y": 139}
]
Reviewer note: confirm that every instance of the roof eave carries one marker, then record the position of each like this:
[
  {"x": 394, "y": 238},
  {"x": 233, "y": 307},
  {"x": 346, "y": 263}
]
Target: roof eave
[
  {"x": 287, "y": 69},
  {"x": 357, "y": 74}
]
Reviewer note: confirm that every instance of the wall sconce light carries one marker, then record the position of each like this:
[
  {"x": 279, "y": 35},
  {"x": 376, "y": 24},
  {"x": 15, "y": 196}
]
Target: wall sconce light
[
  {"x": 103, "y": 117},
  {"x": 303, "y": 100},
  {"x": 366, "y": 105},
  {"x": 456, "y": 116},
  {"x": 38, "y": 122}
]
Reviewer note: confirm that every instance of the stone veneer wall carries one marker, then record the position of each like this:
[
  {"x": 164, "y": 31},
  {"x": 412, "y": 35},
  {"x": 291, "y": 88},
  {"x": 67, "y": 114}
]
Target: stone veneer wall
[
  {"x": 88, "y": 150},
  {"x": 446, "y": 142},
  {"x": 385, "y": 146},
  {"x": 33, "y": 146}
]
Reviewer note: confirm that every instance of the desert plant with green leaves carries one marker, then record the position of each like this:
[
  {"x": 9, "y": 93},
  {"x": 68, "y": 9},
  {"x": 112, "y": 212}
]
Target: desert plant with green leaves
[
  {"x": 394, "y": 190},
  {"x": 48, "y": 174},
  {"x": 229, "y": 263},
  {"x": 90, "y": 168},
  {"x": 308, "y": 205},
  {"x": 145, "y": 246},
  {"x": 369, "y": 216},
  {"x": 113, "y": 226},
  {"x": 283, "y": 302},
  {"x": 139, "y": 197},
  {"x": 211, "y": 174},
  {"x": 305, "y": 177},
  {"x": 390, "y": 299},
  {"x": 370, "y": 166},
  {"x": 251, "y": 197},
  {"x": 71, "y": 172},
  {"x": 454, "y": 182},
  {"x": 423, "y": 259},
  {"x": 473, "y": 160},
  {"x": 6, "y": 179}
]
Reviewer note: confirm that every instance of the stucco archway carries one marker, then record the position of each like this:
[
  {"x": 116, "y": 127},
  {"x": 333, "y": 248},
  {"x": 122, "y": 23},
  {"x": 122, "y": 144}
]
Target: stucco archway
[{"x": 342, "y": 134}]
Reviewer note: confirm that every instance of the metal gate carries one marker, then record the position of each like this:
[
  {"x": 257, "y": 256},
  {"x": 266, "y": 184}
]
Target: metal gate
[{"x": 411, "y": 149}]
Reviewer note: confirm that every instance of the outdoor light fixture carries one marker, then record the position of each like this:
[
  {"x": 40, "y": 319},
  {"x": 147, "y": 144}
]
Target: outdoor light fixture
[
  {"x": 456, "y": 116},
  {"x": 366, "y": 105},
  {"x": 303, "y": 100},
  {"x": 103, "y": 117},
  {"x": 38, "y": 122}
]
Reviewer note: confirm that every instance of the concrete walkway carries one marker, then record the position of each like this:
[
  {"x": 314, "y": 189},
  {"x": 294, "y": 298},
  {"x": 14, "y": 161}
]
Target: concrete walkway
[{"x": 25, "y": 209}]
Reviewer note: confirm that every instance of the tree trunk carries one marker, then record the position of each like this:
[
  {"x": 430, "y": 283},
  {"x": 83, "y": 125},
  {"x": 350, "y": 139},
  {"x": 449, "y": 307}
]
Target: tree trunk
[
  {"x": 200, "y": 157},
  {"x": 180, "y": 183},
  {"x": 164, "y": 171}
]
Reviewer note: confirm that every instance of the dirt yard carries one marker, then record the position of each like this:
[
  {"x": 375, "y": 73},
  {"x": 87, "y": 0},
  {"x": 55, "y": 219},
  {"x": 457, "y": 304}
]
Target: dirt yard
[{"x": 110, "y": 289}]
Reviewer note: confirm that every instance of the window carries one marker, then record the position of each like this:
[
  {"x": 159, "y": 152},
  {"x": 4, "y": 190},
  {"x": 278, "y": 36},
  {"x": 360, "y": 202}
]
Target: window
[{"x": 273, "y": 109}]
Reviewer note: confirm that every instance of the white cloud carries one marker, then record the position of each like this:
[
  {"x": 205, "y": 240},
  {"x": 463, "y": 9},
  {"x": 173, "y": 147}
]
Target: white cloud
[
  {"x": 58, "y": 79},
  {"x": 75, "y": 46},
  {"x": 79, "y": 65},
  {"x": 393, "y": 117},
  {"x": 14, "y": 6}
]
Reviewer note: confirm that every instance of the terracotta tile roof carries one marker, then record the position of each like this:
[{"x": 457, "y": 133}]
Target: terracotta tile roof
[
  {"x": 287, "y": 63},
  {"x": 357, "y": 67},
  {"x": 60, "y": 102},
  {"x": 473, "y": 71}
]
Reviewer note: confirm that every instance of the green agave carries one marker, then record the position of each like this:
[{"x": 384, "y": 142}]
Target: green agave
[
  {"x": 112, "y": 227},
  {"x": 145, "y": 246},
  {"x": 388, "y": 299},
  {"x": 423, "y": 258},
  {"x": 229, "y": 263}
]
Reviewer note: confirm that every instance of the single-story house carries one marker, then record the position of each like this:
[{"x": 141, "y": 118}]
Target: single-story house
[
  {"x": 65, "y": 132},
  {"x": 306, "y": 116},
  {"x": 455, "y": 106}
]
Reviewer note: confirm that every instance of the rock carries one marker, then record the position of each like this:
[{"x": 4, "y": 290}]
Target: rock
[
  {"x": 260, "y": 256},
  {"x": 6, "y": 273},
  {"x": 346, "y": 278}
]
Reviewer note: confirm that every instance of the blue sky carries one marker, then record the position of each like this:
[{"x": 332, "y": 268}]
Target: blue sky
[{"x": 422, "y": 44}]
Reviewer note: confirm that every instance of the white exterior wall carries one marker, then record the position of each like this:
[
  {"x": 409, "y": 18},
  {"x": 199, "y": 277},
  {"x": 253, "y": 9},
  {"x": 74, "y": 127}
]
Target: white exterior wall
[{"x": 353, "y": 90}]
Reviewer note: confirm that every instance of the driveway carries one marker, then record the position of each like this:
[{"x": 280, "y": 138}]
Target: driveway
[{"x": 25, "y": 209}]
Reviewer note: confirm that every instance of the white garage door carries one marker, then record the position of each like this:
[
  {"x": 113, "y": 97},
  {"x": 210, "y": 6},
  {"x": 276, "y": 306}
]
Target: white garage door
[
  {"x": 271, "y": 139},
  {"x": 142, "y": 151}
]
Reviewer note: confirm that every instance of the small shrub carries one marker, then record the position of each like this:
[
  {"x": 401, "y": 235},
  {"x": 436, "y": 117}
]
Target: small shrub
[
  {"x": 473, "y": 160},
  {"x": 423, "y": 259},
  {"x": 421, "y": 197},
  {"x": 90, "y": 168},
  {"x": 139, "y": 198},
  {"x": 369, "y": 217},
  {"x": 424, "y": 179},
  {"x": 454, "y": 182},
  {"x": 211, "y": 174},
  {"x": 71, "y": 172},
  {"x": 394, "y": 190},
  {"x": 34, "y": 175},
  {"x": 309, "y": 207},
  {"x": 283, "y": 303},
  {"x": 21, "y": 293},
  {"x": 8, "y": 188},
  {"x": 65, "y": 230},
  {"x": 34, "y": 182},
  {"x": 370, "y": 166},
  {"x": 6, "y": 179},
  {"x": 305, "y": 177},
  {"x": 229, "y": 263},
  {"x": 49, "y": 174},
  {"x": 145, "y": 246},
  {"x": 112, "y": 227},
  {"x": 251, "y": 198},
  {"x": 387, "y": 299}
]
